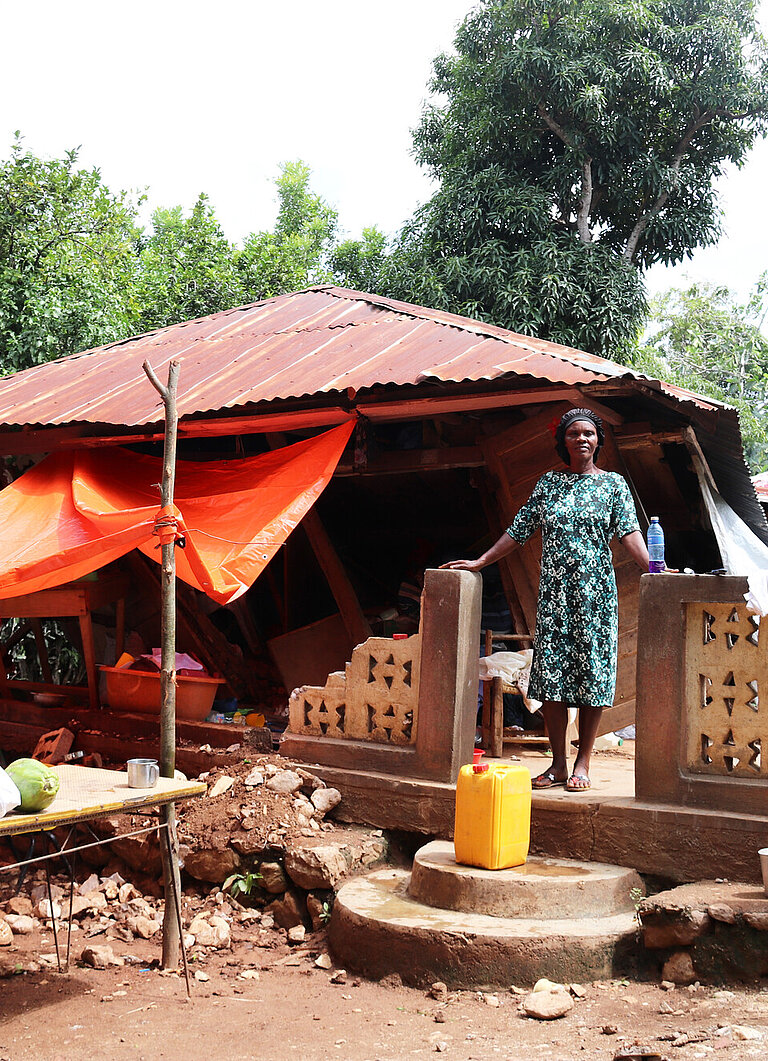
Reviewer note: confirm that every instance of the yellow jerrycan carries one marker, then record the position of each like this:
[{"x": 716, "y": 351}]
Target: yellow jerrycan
[{"x": 493, "y": 815}]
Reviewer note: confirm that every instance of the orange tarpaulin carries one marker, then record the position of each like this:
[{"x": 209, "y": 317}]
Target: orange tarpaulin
[{"x": 76, "y": 511}]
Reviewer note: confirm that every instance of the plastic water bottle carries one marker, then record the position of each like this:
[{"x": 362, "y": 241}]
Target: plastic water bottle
[{"x": 655, "y": 547}]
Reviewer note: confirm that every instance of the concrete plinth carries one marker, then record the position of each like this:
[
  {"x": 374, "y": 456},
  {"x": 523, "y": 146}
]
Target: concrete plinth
[
  {"x": 677, "y": 843},
  {"x": 549, "y": 888},
  {"x": 604, "y": 825},
  {"x": 377, "y": 929},
  {"x": 412, "y": 804},
  {"x": 683, "y": 646}
]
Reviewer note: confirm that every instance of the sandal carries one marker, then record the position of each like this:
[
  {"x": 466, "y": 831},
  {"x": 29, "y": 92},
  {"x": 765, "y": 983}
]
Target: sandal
[
  {"x": 578, "y": 783},
  {"x": 547, "y": 780}
]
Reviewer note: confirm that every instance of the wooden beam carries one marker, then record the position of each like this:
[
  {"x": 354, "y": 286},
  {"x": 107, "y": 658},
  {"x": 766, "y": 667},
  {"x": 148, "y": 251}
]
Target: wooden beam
[
  {"x": 648, "y": 439},
  {"x": 46, "y": 604},
  {"x": 609, "y": 415},
  {"x": 416, "y": 408},
  {"x": 616, "y": 458},
  {"x": 261, "y": 423},
  {"x": 111, "y": 722},
  {"x": 701, "y": 463},
  {"x": 416, "y": 460},
  {"x": 89, "y": 658},
  {"x": 495, "y": 522},
  {"x": 69, "y": 692},
  {"x": 89, "y": 436},
  {"x": 47, "y": 440},
  {"x": 352, "y": 615},
  {"x": 22, "y": 737},
  {"x": 20, "y": 443}
]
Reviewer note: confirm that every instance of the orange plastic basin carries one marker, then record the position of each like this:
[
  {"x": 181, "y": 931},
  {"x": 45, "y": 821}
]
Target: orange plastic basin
[{"x": 133, "y": 690}]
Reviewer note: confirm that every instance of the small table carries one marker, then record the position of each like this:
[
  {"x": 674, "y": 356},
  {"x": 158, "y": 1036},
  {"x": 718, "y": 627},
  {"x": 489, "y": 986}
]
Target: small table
[{"x": 84, "y": 795}]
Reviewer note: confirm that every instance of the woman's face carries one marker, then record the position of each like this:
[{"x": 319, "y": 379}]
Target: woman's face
[{"x": 580, "y": 439}]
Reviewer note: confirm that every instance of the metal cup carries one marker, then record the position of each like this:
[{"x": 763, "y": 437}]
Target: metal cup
[
  {"x": 763, "y": 853},
  {"x": 142, "y": 773}
]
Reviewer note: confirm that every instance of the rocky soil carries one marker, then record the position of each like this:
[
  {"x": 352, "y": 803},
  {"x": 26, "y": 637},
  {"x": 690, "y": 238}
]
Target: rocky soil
[
  {"x": 261, "y": 863},
  {"x": 262, "y": 860},
  {"x": 279, "y": 1005}
]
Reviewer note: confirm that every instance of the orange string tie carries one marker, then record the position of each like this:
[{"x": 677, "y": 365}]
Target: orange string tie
[{"x": 166, "y": 527}]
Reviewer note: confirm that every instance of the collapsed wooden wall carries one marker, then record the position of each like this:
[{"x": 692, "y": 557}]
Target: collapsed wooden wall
[
  {"x": 510, "y": 453},
  {"x": 496, "y": 456}
]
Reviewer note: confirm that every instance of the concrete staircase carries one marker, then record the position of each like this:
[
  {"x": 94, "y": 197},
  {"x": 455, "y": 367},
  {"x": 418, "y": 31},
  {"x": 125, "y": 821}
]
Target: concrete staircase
[{"x": 569, "y": 921}]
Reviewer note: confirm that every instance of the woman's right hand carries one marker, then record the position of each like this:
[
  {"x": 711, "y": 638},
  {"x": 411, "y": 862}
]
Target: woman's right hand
[
  {"x": 502, "y": 547},
  {"x": 463, "y": 565}
]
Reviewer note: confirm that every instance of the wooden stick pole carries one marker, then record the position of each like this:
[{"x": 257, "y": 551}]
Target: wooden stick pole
[{"x": 170, "y": 852}]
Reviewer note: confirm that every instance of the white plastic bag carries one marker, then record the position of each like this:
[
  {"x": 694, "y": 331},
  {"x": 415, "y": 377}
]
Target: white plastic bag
[
  {"x": 508, "y": 666},
  {"x": 514, "y": 668},
  {"x": 10, "y": 796}
]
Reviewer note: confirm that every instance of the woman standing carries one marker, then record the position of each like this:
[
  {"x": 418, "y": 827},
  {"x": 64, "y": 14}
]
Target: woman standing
[{"x": 578, "y": 511}]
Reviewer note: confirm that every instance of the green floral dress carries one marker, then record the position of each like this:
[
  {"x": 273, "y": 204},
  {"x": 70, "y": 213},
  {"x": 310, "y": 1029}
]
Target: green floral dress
[{"x": 574, "y": 657}]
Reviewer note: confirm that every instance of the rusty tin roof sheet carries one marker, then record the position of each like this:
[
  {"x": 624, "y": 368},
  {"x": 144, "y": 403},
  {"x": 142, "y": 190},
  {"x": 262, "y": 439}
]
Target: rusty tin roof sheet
[{"x": 321, "y": 340}]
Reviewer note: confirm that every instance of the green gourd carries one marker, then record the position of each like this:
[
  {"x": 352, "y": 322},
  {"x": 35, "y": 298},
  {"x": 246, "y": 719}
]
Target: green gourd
[{"x": 36, "y": 782}]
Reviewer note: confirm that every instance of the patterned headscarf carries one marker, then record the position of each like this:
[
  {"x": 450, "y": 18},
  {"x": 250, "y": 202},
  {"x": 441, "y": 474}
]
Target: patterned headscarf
[{"x": 566, "y": 420}]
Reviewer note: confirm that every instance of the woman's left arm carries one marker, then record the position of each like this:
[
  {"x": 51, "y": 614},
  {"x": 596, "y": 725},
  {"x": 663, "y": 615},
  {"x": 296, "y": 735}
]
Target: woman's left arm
[{"x": 635, "y": 546}]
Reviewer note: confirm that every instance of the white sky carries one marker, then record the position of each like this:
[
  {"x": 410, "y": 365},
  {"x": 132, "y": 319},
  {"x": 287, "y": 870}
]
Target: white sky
[{"x": 187, "y": 97}]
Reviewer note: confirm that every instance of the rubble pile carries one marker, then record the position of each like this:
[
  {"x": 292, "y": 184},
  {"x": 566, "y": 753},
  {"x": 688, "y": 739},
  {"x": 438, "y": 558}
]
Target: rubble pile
[
  {"x": 114, "y": 924},
  {"x": 257, "y": 805},
  {"x": 260, "y": 836}
]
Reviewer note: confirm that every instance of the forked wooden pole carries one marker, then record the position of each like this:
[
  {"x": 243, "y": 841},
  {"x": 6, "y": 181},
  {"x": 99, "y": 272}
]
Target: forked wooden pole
[{"x": 170, "y": 852}]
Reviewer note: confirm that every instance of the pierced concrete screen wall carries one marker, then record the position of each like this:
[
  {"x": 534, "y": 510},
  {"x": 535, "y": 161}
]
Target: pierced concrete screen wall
[
  {"x": 375, "y": 699},
  {"x": 702, "y": 691},
  {"x": 402, "y": 708},
  {"x": 726, "y": 667}
]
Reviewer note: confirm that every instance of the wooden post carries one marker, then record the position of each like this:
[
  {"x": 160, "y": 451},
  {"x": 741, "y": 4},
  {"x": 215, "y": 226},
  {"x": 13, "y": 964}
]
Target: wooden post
[{"x": 171, "y": 875}]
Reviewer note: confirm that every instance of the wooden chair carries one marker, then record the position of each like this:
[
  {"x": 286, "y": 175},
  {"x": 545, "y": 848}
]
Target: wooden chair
[{"x": 492, "y": 723}]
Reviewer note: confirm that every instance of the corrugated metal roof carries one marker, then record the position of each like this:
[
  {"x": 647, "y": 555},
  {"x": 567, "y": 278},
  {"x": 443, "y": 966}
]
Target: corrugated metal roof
[
  {"x": 328, "y": 340},
  {"x": 312, "y": 342}
]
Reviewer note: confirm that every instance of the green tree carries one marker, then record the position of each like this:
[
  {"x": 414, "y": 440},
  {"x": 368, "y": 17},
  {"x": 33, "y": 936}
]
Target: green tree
[
  {"x": 76, "y": 271},
  {"x": 576, "y": 143},
  {"x": 66, "y": 259},
  {"x": 704, "y": 339},
  {"x": 358, "y": 263},
  {"x": 296, "y": 254},
  {"x": 186, "y": 268}
]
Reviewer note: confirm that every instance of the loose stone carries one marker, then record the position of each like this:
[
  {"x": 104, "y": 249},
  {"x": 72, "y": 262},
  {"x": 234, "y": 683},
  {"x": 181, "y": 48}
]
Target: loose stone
[
  {"x": 286, "y": 781},
  {"x": 679, "y": 968},
  {"x": 547, "y": 1005},
  {"x": 222, "y": 785}
]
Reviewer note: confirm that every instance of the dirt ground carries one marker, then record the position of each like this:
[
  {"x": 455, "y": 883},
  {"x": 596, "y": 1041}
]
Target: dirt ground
[
  {"x": 259, "y": 994},
  {"x": 279, "y": 1005}
]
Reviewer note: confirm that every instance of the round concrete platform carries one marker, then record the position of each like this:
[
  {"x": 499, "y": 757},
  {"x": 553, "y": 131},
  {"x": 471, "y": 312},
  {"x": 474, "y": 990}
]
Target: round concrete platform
[
  {"x": 377, "y": 929},
  {"x": 551, "y": 888}
]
